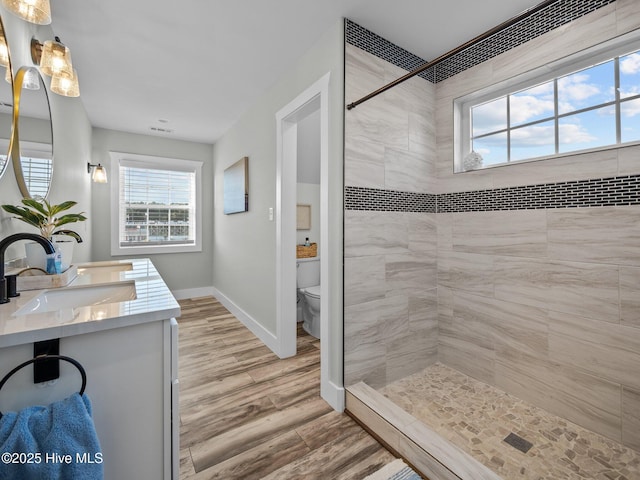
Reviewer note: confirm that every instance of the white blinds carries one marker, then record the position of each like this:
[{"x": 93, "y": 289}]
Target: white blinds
[{"x": 157, "y": 205}]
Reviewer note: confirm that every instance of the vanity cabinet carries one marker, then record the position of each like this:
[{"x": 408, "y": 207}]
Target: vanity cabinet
[{"x": 129, "y": 353}]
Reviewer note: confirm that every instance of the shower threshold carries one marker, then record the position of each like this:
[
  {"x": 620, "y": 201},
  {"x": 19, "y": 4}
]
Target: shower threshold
[{"x": 506, "y": 436}]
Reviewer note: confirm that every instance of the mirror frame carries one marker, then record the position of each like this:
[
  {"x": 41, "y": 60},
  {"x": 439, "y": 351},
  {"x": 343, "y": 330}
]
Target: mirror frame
[
  {"x": 3, "y": 169},
  {"x": 15, "y": 151}
]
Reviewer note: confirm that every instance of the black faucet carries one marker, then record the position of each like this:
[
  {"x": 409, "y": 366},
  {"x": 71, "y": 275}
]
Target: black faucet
[{"x": 5, "y": 242}]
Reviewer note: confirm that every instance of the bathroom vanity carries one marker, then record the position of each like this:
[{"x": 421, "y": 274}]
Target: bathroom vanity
[{"x": 118, "y": 320}]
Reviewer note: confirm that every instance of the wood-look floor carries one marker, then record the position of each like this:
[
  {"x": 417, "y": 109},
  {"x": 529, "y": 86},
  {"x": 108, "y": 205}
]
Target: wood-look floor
[{"x": 246, "y": 414}]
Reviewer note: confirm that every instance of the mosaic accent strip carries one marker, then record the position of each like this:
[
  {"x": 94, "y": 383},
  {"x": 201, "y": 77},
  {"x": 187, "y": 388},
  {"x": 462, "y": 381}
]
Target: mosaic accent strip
[
  {"x": 602, "y": 192},
  {"x": 358, "y": 198},
  {"x": 376, "y": 45},
  {"x": 541, "y": 22}
]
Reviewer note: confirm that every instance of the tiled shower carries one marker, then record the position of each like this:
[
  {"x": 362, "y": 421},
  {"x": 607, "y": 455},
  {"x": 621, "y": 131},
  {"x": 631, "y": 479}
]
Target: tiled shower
[{"x": 524, "y": 278}]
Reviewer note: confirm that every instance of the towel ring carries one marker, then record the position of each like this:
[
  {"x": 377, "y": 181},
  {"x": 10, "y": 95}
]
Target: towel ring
[{"x": 47, "y": 357}]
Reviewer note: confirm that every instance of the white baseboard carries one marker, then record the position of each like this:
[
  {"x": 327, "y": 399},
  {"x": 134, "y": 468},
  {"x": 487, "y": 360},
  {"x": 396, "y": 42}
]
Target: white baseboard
[
  {"x": 248, "y": 321},
  {"x": 193, "y": 293},
  {"x": 334, "y": 395}
]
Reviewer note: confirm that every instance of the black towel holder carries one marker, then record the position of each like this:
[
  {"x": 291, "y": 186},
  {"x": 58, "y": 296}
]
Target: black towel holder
[{"x": 47, "y": 357}]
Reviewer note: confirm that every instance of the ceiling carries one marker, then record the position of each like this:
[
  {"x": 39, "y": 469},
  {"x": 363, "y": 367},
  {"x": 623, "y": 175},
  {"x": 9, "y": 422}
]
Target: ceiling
[{"x": 195, "y": 66}]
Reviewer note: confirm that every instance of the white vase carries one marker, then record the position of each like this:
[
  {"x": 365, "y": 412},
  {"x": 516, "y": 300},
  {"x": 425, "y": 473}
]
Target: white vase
[{"x": 36, "y": 256}]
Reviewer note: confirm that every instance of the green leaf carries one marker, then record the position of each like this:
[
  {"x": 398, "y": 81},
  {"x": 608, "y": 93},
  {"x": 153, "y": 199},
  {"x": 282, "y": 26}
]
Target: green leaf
[
  {"x": 55, "y": 209},
  {"x": 36, "y": 205}
]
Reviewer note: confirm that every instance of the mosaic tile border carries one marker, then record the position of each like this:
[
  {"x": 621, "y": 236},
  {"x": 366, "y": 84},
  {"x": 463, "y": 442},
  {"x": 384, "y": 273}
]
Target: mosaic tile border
[
  {"x": 359, "y": 198},
  {"x": 601, "y": 192},
  {"x": 376, "y": 45},
  {"x": 537, "y": 24}
]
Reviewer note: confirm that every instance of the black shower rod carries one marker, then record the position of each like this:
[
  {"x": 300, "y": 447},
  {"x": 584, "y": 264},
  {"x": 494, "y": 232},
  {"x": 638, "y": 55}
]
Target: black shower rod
[{"x": 456, "y": 50}]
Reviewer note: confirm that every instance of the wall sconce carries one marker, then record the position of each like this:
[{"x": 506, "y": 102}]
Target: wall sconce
[
  {"x": 30, "y": 80},
  {"x": 99, "y": 174},
  {"x": 33, "y": 11},
  {"x": 54, "y": 59}
]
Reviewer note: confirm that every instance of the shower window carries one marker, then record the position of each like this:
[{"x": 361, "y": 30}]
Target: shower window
[{"x": 590, "y": 103}]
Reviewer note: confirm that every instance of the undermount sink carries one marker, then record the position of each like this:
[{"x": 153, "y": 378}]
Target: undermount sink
[{"x": 80, "y": 296}]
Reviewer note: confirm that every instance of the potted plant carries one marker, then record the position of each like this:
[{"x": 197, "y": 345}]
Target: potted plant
[{"x": 45, "y": 217}]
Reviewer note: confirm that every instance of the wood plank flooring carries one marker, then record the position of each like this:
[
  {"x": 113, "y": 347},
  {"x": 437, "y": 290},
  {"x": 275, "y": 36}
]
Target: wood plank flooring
[{"x": 246, "y": 414}]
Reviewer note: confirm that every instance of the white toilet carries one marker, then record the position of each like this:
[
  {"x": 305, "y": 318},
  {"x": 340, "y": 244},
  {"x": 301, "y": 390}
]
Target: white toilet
[{"x": 308, "y": 282}]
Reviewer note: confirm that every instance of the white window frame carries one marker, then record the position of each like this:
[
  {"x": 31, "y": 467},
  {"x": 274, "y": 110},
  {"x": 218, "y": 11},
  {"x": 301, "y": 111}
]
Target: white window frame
[
  {"x": 129, "y": 159},
  {"x": 462, "y": 106}
]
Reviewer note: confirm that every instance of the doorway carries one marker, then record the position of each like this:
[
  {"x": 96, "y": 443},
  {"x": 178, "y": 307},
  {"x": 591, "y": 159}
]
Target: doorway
[{"x": 312, "y": 100}]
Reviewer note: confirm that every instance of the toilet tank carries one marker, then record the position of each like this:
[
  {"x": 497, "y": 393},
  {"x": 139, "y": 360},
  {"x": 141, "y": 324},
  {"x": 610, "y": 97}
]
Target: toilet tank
[{"x": 308, "y": 272}]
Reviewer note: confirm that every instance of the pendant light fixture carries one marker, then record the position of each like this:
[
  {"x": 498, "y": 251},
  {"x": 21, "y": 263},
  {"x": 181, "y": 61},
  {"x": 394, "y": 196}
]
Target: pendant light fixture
[
  {"x": 31, "y": 80},
  {"x": 55, "y": 58},
  {"x": 65, "y": 85},
  {"x": 33, "y": 11}
]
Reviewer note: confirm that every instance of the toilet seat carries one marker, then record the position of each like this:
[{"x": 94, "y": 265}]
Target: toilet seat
[{"x": 312, "y": 291}]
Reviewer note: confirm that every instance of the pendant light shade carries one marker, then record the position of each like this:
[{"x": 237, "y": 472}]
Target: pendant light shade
[
  {"x": 31, "y": 80},
  {"x": 4, "y": 50},
  {"x": 65, "y": 85},
  {"x": 33, "y": 11},
  {"x": 55, "y": 58}
]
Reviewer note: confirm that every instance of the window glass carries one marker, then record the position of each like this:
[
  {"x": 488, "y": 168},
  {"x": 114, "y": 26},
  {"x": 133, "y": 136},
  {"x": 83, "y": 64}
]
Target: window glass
[
  {"x": 586, "y": 88},
  {"x": 591, "y": 129},
  {"x": 157, "y": 206},
  {"x": 533, "y": 104},
  {"x": 533, "y": 141},
  {"x": 630, "y": 75},
  {"x": 490, "y": 117},
  {"x": 630, "y": 120},
  {"x": 493, "y": 148}
]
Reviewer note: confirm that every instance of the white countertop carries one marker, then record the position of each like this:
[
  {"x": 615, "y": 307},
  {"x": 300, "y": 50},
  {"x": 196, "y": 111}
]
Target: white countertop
[{"x": 154, "y": 301}]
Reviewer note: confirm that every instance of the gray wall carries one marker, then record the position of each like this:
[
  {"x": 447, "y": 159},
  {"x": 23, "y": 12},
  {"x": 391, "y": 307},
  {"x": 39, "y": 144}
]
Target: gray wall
[
  {"x": 245, "y": 244},
  {"x": 181, "y": 271}
]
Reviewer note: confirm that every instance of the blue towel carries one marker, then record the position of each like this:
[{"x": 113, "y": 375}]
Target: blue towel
[{"x": 54, "y": 442}]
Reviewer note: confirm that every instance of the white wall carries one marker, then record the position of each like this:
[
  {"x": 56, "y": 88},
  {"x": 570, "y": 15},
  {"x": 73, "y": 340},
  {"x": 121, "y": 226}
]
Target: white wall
[
  {"x": 245, "y": 244},
  {"x": 181, "y": 271},
  {"x": 71, "y": 145}
]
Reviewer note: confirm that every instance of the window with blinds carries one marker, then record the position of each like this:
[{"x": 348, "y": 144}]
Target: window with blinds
[{"x": 158, "y": 204}]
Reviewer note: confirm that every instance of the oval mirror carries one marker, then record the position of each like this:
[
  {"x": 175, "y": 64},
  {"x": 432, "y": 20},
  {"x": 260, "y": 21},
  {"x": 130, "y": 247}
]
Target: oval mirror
[
  {"x": 6, "y": 100},
  {"x": 32, "y": 146}
]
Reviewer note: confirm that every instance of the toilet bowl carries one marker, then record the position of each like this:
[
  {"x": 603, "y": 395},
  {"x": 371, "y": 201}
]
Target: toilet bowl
[
  {"x": 308, "y": 282},
  {"x": 311, "y": 310}
]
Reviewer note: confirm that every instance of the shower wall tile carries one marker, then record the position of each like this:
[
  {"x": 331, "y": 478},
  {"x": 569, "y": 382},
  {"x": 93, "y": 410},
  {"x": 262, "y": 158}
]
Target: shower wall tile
[
  {"x": 410, "y": 354},
  {"x": 521, "y": 233},
  {"x": 422, "y": 233},
  {"x": 423, "y": 312},
  {"x": 409, "y": 273},
  {"x": 599, "y": 348},
  {"x": 583, "y": 289},
  {"x": 628, "y": 160},
  {"x": 422, "y": 138},
  {"x": 364, "y": 280},
  {"x": 364, "y": 348},
  {"x": 468, "y": 272},
  {"x": 627, "y": 15},
  {"x": 405, "y": 171},
  {"x": 375, "y": 233},
  {"x": 464, "y": 355},
  {"x": 597, "y": 235},
  {"x": 365, "y": 167},
  {"x": 631, "y": 418},
  {"x": 630, "y": 296},
  {"x": 581, "y": 398},
  {"x": 370, "y": 77}
]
